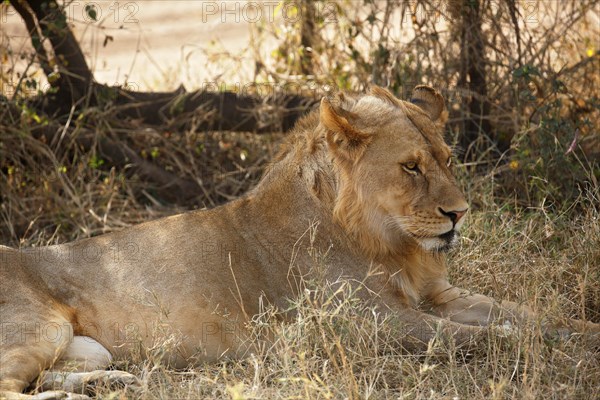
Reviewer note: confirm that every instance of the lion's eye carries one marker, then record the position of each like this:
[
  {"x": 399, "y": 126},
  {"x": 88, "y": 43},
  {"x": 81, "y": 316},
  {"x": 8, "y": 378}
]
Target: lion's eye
[{"x": 411, "y": 167}]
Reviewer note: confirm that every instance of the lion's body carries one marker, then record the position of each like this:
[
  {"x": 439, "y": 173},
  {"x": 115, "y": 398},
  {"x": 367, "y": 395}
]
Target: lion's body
[
  {"x": 341, "y": 190},
  {"x": 187, "y": 271}
]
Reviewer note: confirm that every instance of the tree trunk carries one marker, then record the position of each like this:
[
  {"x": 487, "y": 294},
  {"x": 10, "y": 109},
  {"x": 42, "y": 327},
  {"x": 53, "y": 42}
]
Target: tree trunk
[
  {"x": 74, "y": 76},
  {"x": 472, "y": 77},
  {"x": 307, "y": 36}
]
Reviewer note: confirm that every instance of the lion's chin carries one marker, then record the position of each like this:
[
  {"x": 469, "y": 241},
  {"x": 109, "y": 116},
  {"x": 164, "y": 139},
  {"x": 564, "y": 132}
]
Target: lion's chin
[{"x": 441, "y": 243}]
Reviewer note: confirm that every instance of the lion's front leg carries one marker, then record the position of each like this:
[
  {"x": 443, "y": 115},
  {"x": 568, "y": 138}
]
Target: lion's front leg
[
  {"x": 461, "y": 306},
  {"x": 416, "y": 330}
]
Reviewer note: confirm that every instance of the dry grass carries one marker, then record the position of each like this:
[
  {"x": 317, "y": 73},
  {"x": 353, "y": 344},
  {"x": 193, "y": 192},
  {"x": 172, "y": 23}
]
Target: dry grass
[
  {"x": 53, "y": 190},
  {"x": 548, "y": 259}
]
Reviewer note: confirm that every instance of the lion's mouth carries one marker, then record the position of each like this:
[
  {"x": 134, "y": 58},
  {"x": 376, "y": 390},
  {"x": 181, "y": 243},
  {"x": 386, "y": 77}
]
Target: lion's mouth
[
  {"x": 440, "y": 243},
  {"x": 449, "y": 239}
]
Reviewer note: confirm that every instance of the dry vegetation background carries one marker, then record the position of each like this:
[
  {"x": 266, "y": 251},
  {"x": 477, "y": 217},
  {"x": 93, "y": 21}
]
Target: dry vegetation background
[{"x": 522, "y": 83}]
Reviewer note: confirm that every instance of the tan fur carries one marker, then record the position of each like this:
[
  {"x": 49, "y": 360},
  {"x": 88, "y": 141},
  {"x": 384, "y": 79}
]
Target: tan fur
[{"x": 370, "y": 173}]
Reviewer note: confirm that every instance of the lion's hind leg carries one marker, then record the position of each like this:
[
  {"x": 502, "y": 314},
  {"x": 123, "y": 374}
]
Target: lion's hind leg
[
  {"x": 34, "y": 334},
  {"x": 81, "y": 370}
]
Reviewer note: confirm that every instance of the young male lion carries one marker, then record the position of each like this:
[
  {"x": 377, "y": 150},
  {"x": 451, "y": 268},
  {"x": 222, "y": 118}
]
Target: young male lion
[{"x": 371, "y": 172}]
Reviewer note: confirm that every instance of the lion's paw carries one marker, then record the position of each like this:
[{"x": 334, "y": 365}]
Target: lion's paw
[
  {"x": 48, "y": 395},
  {"x": 581, "y": 331},
  {"x": 59, "y": 395},
  {"x": 112, "y": 379},
  {"x": 90, "y": 382}
]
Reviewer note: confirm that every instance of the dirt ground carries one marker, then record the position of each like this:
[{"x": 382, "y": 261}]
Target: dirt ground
[{"x": 153, "y": 45}]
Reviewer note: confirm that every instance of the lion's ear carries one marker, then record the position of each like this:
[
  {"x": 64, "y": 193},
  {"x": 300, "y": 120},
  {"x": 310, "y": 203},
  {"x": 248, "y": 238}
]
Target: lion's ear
[
  {"x": 343, "y": 139},
  {"x": 384, "y": 95},
  {"x": 432, "y": 102}
]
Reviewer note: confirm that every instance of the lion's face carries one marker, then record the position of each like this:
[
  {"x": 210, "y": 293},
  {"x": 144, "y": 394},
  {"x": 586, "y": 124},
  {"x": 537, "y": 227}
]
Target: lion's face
[
  {"x": 408, "y": 187},
  {"x": 398, "y": 168}
]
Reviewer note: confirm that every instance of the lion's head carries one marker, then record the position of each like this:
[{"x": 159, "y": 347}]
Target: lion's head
[{"x": 395, "y": 181}]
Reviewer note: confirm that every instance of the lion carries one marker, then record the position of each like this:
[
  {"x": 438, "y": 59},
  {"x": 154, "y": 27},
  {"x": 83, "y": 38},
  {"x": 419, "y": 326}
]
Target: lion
[{"x": 371, "y": 172}]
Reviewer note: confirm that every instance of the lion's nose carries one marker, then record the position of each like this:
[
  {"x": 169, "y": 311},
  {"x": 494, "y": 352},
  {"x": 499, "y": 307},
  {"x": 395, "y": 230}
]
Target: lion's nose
[{"x": 454, "y": 216}]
